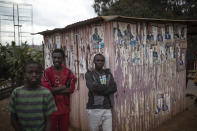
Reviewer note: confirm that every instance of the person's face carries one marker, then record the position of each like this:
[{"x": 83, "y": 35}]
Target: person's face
[
  {"x": 57, "y": 60},
  {"x": 99, "y": 62},
  {"x": 32, "y": 74}
]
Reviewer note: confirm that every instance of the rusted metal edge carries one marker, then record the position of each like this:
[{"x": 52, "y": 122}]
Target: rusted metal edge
[{"x": 115, "y": 18}]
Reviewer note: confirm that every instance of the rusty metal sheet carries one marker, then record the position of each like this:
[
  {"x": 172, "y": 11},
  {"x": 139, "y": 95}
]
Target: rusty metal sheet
[
  {"x": 114, "y": 18},
  {"x": 148, "y": 64}
]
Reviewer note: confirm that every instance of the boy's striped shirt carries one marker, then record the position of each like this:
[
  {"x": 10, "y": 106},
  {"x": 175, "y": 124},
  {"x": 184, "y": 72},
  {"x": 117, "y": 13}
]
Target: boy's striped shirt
[{"x": 32, "y": 107}]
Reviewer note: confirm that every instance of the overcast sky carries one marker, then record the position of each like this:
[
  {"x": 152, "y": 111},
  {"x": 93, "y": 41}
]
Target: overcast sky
[
  {"x": 50, "y": 14},
  {"x": 59, "y": 13}
]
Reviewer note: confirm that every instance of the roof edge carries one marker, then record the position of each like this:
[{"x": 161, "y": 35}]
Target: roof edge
[{"x": 112, "y": 18}]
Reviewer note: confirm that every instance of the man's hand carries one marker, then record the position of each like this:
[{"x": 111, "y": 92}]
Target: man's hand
[
  {"x": 56, "y": 90},
  {"x": 61, "y": 90},
  {"x": 65, "y": 91}
]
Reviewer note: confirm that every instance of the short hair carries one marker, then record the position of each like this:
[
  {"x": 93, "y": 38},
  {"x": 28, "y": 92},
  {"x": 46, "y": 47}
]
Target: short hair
[
  {"x": 32, "y": 62},
  {"x": 59, "y": 51},
  {"x": 99, "y": 55}
]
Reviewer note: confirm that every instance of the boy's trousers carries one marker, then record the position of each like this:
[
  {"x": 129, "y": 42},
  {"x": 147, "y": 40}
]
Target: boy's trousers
[{"x": 100, "y": 117}]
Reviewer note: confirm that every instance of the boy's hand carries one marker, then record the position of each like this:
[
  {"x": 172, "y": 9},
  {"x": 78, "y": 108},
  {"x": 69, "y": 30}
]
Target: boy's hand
[{"x": 14, "y": 122}]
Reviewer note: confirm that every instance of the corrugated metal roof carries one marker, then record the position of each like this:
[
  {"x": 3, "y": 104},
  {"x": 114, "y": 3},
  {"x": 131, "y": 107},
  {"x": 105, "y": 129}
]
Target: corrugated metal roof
[{"x": 116, "y": 18}]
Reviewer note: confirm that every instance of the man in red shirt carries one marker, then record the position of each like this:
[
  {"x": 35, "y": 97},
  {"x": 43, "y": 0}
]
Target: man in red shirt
[{"x": 61, "y": 82}]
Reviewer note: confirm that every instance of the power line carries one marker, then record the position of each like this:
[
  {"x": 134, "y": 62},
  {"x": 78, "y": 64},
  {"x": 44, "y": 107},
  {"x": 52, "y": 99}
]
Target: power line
[{"x": 21, "y": 15}]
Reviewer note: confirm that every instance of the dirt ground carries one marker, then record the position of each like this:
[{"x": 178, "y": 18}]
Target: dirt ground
[
  {"x": 185, "y": 121},
  {"x": 4, "y": 116}
]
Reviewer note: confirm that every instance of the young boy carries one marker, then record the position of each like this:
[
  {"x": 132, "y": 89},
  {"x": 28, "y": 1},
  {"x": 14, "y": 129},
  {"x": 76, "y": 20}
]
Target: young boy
[
  {"x": 31, "y": 105},
  {"x": 102, "y": 86}
]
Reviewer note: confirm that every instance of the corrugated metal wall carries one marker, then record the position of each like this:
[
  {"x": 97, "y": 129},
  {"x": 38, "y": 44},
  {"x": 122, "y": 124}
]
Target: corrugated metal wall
[{"x": 148, "y": 63}]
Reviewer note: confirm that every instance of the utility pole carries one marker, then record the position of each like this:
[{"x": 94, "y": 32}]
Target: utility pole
[
  {"x": 0, "y": 30},
  {"x": 14, "y": 24},
  {"x": 18, "y": 25},
  {"x": 15, "y": 16},
  {"x": 32, "y": 24}
]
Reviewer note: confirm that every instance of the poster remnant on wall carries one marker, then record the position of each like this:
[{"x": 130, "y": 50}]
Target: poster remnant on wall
[
  {"x": 125, "y": 34},
  {"x": 81, "y": 52},
  {"x": 151, "y": 43},
  {"x": 57, "y": 41},
  {"x": 97, "y": 39},
  {"x": 48, "y": 48},
  {"x": 151, "y": 34},
  {"x": 168, "y": 37},
  {"x": 180, "y": 36},
  {"x": 162, "y": 103},
  {"x": 181, "y": 58},
  {"x": 69, "y": 50},
  {"x": 153, "y": 47}
]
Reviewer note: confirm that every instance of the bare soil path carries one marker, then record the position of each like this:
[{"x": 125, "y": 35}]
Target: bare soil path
[{"x": 185, "y": 121}]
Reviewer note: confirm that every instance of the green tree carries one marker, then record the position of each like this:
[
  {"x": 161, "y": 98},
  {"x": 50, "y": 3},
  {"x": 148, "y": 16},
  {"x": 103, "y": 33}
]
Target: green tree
[
  {"x": 14, "y": 58},
  {"x": 174, "y": 9},
  {"x": 4, "y": 65}
]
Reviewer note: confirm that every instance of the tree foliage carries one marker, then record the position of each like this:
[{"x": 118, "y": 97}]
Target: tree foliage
[
  {"x": 175, "y": 9},
  {"x": 13, "y": 59}
]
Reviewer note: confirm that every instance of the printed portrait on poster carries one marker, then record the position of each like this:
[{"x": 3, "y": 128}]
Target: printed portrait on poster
[
  {"x": 129, "y": 36},
  {"x": 97, "y": 39},
  {"x": 176, "y": 30},
  {"x": 136, "y": 57},
  {"x": 180, "y": 58},
  {"x": 169, "y": 52},
  {"x": 162, "y": 53},
  {"x": 117, "y": 33},
  {"x": 155, "y": 55},
  {"x": 124, "y": 34},
  {"x": 150, "y": 35},
  {"x": 159, "y": 38},
  {"x": 163, "y": 103},
  {"x": 183, "y": 33},
  {"x": 167, "y": 33},
  {"x": 183, "y": 37},
  {"x": 168, "y": 37}
]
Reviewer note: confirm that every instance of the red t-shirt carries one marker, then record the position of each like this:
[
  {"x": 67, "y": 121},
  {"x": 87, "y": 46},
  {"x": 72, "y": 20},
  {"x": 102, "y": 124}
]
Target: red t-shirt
[{"x": 55, "y": 79}]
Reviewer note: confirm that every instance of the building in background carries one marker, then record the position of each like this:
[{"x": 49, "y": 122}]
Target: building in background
[
  {"x": 16, "y": 22},
  {"x": 146, "y": 56}
]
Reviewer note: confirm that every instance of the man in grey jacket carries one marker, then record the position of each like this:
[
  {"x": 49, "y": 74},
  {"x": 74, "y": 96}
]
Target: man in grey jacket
[{"x": 102, "y": 86}]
